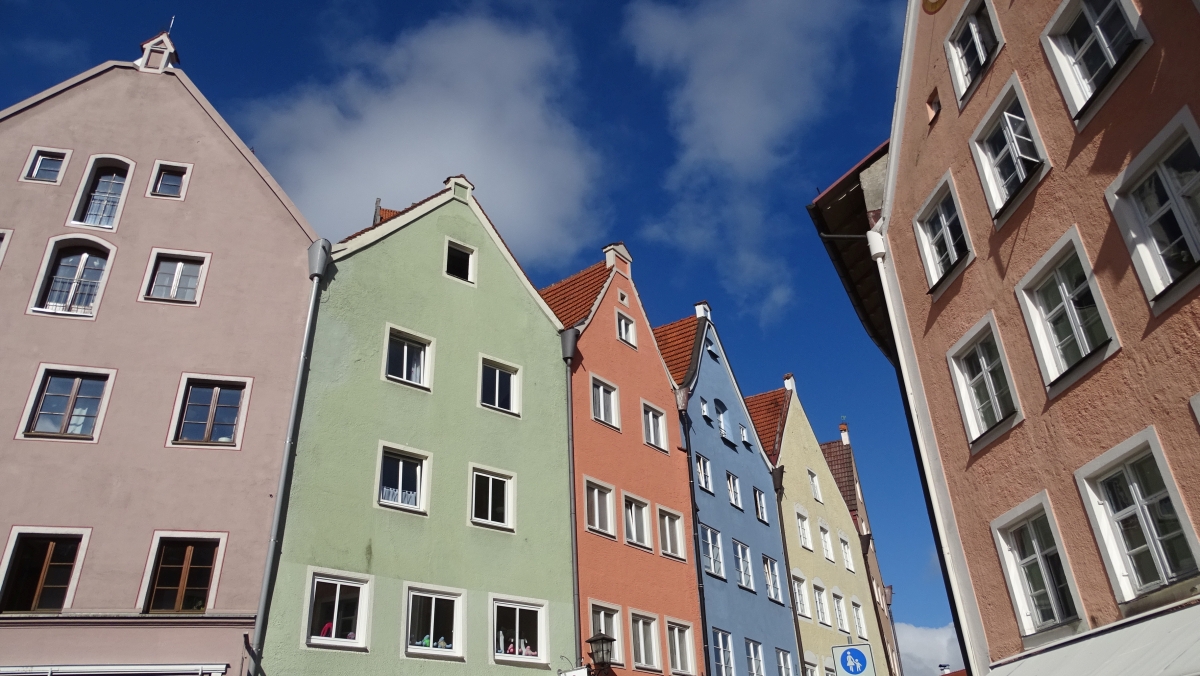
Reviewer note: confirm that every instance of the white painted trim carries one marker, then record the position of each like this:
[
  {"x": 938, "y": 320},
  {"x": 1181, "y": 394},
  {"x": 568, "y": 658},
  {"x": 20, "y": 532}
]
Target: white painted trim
[
  {"x": 1182, "y": 124},
  {"x": 658, "y": 631},
  {"x": 86, "y": 182},
  {"x": 544, "y": 649},
  {"x": 27, "y": 168},
  {"x": 31, "y": 401},
  {"x": 177, "y": 412},
  {"x": 221, "y": 537},
  {"x": 187, "y": 178},
  {"x": 517, "y": 377},
  {"x": 1012, "y": 89},
  {"x": 144, "y": 290},
  {"x": 426, "y": 459},
  {"x": 85, "y": 535},
  {"x": 663, "y": 428},
  {"x": 1001, "y": 527},
  {"x": 53, "y": 246},
  {"x": 427, "y": 363},
  {"x": 979, "y": 438},
  {"x": 648, "y": 522},
  {"x": 1093, "y": 502},
  {"x": 472, "y": 263},
  {"x": 616, "y": 396},
  {"x": 613, "y": 516},
  {"x": 618, "y": 656},
  {"x": 510, "y": 497},
  {"x": 632, "y": 327},
  {"x": 681, "y": 536},
  {"x": 689, "y": 648},
  {"x": 362, "y": 634},
  {"x": 945, "y": 186},
  {"x": 455, "y": 654},
  {"x": 963, "y": 91},
  {"x": 1039, "y": 330}
]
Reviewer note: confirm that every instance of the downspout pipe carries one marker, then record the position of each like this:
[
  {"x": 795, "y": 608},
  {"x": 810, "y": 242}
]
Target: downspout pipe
[
  {"x": 319, "y": 254},
  {"x": 681, "y": 403},
  {"x": 569, "y": 338}
]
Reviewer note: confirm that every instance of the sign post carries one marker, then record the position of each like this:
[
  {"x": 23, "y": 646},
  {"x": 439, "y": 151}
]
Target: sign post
[{"x": 854, "y": 660}]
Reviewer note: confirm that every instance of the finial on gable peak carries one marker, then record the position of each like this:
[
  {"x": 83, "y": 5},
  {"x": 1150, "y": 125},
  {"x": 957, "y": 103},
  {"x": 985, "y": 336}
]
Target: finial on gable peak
[
  {"x": 703, "y": 310},
  {"x": 617, "y": 250},
  {"x": 789, "y": 382},
  {"x": 158, "y": 54},
  {"x": 460, "y": 186}
]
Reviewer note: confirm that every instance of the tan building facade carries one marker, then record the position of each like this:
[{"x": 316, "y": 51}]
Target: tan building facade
[
  {"x": 829, "y": 573},
  {"x": 146, "y": 398},
  {"x": 1037, "y": 237}
]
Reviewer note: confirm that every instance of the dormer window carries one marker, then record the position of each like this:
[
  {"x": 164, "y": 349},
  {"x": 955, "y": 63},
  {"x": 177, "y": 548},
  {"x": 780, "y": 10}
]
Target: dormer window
[
  {"x": 157, "y": 54},
  {"x": 101, "y": 196}
]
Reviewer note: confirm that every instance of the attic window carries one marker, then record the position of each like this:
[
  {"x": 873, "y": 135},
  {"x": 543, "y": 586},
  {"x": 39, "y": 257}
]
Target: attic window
[
  {"x": 710, "y": 347},
  {"x": 460, "y": 262},
  {"x": 156, "y": 58},
  {"x": 623, "y": 297}
]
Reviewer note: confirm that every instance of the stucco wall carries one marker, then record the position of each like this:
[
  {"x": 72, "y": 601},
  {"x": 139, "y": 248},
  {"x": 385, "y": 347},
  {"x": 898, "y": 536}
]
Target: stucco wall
[
  {"x": 335, "y": 520},
  {"x": 1147, "y": 382},
  {"x": 250, "y": 321},
  {"x": 612, "y": 571}
]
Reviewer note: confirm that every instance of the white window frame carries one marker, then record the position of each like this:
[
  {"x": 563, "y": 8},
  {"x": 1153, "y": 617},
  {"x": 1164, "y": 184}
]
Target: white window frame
[
  {"x": 472, "y": 265},
  {"x": 617, "y": 632},
  {"x": 723, "y": 653},
  {"x": 784, "y": 659},
  {"x": 629, "y": 500},
  {"x": 517, "y": 373},
  {"x": 745, "y": 434},
  {"x": 36, "y": 387},
  {"x": 822, "y": 603},
  {"x": 754, "y": 658},
  {"x": 362, "y": 632},
  {"x": 814, "y": 483},
  {"x": 800, "y": 590},
  {"x": 760, "y": 506},
  {"x": 929, "y": 210},
  {"x": 1061, "y": 63},
  {"x": 963, "y": 90},
  {"x": 847, "y": 553},
  {"x": 14, "y": 533},
  {"x": 606, "y": 491},
  {"x": 734, "y": 486},
  {"x": 654, "y": 419},
  {"x": 803, "y": 527},
  {"x": 683, "y": 641},
  {"x": 743, "y": 565},
  {"x": 1087, "y": 479},
  {"x": 543, "y": 608},
  {"x": 704, "y": 409},
  {"x": 710, "y": 544},
  {"x": 53, "y": 246},
  {"x": 622, "y": 297},
  {"x": 247, "y": 384},
  {"x": 5, "y": 237},
  {"x": 636, "y": 617},
  {"x": 722, "y": 417},
  {"x": 771, "y": 576},
  {"x": 425, "y": 480},
  {"x": 977, "y": 437},
  {"x": 826, "y": 542},
  {"x": 1002, "y": 527},
  {"x": 1000, "y": 206},
  {"x": 860, "y": 618},
  {"x": 459, "y": 596},
  {"x": 221, "y": 538},
  {"x": 1039, "y": 330},
  {"x": 427, "y": 361},
  {"x": 614, "y": 402},
  {"x": 510, "y": 497},
  {"x": 159, "y": 165},
  {"x": 704, "y": 473},
  {"x": 27, "y": 168},
  {"x": 1160, "y": 292},
  {"x": 201, "y": 257},
  {"x": 674, "y": 520},
  {"x": 81, "y": 194},
  {"x": 839, "y": 611},
  {"x": 631, "y": 339}
]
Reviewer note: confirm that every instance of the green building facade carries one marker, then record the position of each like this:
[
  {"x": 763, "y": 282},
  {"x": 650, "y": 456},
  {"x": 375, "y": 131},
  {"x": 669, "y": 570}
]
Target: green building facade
[{"x": 428, "y": 526}]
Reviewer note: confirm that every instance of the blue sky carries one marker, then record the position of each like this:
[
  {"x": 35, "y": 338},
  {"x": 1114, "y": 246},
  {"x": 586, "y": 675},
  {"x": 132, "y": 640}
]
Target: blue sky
[{"x": 696, "y": 132}]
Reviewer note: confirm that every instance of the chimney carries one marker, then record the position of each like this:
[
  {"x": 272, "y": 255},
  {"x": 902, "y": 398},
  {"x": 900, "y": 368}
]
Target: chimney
[
  {"x": 375, "y": 220},
  {"x": 460, "y": 186},
  {"x": 944, "y": 668},
  {"x": 158, "y": 54},
  {"x": 703, "y": 310},
  {"x": 616, "y": 254},
  {"x": 845, "y": 430},
  {"x": 789, "y": 382}
]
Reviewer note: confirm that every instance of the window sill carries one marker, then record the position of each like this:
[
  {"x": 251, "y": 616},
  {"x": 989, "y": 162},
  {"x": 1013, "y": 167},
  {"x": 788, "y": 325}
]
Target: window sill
[
  {"x": 612, "y": 426},
  {"x": 674, "y": 557},
  {"x": 329, "y": 644},
  {"x": 497, "y": 409},
  {"x": 1099, "y": 92},
  {"x": 716, "y": 575},
  {"x": 402, "y": 508},
  {"x": 737, "y": 507},
  {"x": 57, "y": 437},
  {"x": 491, "y": 525},
  {"x": 627, "y": 343},
  {"x": 745, "y": 588},
  {"x": 1075, "y": 372},
  {"x": 995, "y": 431},
  {"x": 1052, "y": 632},
  {"x": 647, "y": 668},
  {"x": 777, "y": 601},
  {"x": 1171, "y": 293},
  {"x": 168, "y": 301},
  {"x": 603, "y": 534},
  {"x": 706, "y": 489},
  {"x": 640, "y": 547},
  {"x": 78, "y": 224},
  {"x": 515, "y": 661},
  {"x": 1019, "y": 194},
  {"x": 950, "y": 275},
  {"x": 1151, "y": 599},
  {"x": 763, "y": 521},
  {"x": 62, "y": 313},
  {"x": 409, "y": 383},
  {"x": 433, "y": 654},
  {"x": 203, "y": 444},
  {"x": 660, "y": 449},
  {"x": 166, "y": 196}
]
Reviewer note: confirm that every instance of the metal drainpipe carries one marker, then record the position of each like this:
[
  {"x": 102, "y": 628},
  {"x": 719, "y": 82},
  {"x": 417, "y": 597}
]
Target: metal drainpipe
[
  {"x": 777, "y": 480},
  {"x": 318, "y": 262},
  {"x": 681, "y": 403},
  {"x": 570, "y": 339}
]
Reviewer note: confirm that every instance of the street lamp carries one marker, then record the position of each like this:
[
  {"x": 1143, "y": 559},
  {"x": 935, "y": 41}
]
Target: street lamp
[{"x": 601, "y": 645}]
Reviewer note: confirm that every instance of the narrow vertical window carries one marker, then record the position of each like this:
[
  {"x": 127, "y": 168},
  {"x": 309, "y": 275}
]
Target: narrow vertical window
[
  {"x": 754, "y": 658},
  {"x": 805, "y": 532},
  {"x": 636, "y": 528},
  {"x": 735, "y": 489},
  {"x": 826, "y": 543},
  {"x": 175, "y": 279},
  {"x": 1012, "y": 153},
  {"x": 771, "y": 575},
  {"x": 39, "y": 573},
  {"x": 400, "y": 481},
  {"x": 604, "y": 402},
  {"x": 1096, "y": 42},
  {"x": 336, "y": 612},
  {"x": 1151, "y": 534},
  {"x": 822, "y": 604},
  {"x": 800, "y": 590},
  {"x": 847, "y": 555},
  {"x": 210, "y": 413},
  {"x": 182, "y": 575},
  {"x": 784, "y": 659},
  {"x": 518, "y": 634},
  {"x": 704, "y": 473},
  {"x": 860, "y": 621},
  {"x": 723, "y": 653},
  {"x": 722, "y": 418},
  {"x": 984, "y": 373},
  {"x": 710, "y": 551},
  {"x": 604, "y": 621},
  {"x": 626, "y": 331},
  {"x": 103, "y": 197},
  {"x": 654, "y": 427},
  {"x": 645, "y": 642},
  {"x": 839, "y": 609},
  {"x": 973, "y": 45},
  {"x": 68, "y": 405},
  {"x": 406, "y": 359},
  {"x": 944, "y": 234},
  {"x": 815, "y": 485},
  {"x": 745, "y": 573},
  {"x": 760, "y": 505},
  {"x": 74, "y": 281},
  {"x": 498, "y": 385},
  {"x": 678, "y": 648},
  {"x": 599, "y": 508},
  {"x": 1167, "y": 203},
  {"x": 669, "y": 533},
  {"x": 490, "y": 499}
]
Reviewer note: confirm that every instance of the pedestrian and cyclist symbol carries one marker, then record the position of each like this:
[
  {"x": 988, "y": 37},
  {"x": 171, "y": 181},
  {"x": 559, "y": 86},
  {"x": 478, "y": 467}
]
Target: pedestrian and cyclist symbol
[{"x": 853, "y": 661}]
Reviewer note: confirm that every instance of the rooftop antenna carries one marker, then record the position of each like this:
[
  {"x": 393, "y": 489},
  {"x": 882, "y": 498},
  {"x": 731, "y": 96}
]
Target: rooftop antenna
[{"x": 172, "y": 24}]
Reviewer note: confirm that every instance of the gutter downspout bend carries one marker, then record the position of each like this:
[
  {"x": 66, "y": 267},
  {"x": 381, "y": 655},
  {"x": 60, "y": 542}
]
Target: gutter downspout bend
[{"x": 318, "y": 261}]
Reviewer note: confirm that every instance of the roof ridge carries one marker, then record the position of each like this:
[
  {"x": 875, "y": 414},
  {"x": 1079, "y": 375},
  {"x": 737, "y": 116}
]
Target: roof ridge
[
  {"x": 570, "y": 277},
  {"x": 395, "y": 214}
]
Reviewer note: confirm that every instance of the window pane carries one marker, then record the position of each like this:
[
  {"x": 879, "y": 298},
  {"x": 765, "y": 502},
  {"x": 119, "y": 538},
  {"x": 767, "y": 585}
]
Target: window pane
[
  {"x": 1149, "y": 480},
  {"x": 504, "y": 390},
  {"x": 410, "y": 482},
  {"x": 506, "y": 630},
  {"x": 170, "y": 182},
  {"x": 1058, "y": 578},
  {"x": 482, "y": 484},
  {"x": 420, "y": 619},
  {"x": 164, "y": 279},
  {"x": 46, "y": 167},
  {"x": 458, "y": 263},
  {"x": 189, "y": 280},
  {"x": 1183, "y": 165},
  {"x": 443, "y": 624},
  {"x": 105, "y": 196},
  {"x": 324, "y": 600},
  {"x": 389, "y": 479},
  {"x": 347, "y": 612},
  {"x": 527, "y": 632},
  {"x": 498, "y": 499},
  {"x": 488, "y": 395},
  {"x": 413, "y": 363}
]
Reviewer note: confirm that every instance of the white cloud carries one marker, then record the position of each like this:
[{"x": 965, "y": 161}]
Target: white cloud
[
  {"x": 748, "y": 75},
  {"x": 473, "y": 95},
  {"x": 922, "y": 649}
]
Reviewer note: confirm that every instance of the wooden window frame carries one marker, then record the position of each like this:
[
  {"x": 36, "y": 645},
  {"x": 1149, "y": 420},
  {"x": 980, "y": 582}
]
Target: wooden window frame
[
  {"x": 186, "y": 380},
  {"x": 80, "y": 536}
]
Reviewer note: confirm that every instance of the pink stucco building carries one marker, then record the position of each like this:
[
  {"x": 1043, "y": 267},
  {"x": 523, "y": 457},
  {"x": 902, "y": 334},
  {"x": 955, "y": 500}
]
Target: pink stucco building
[
  {"x": 153, "y": 289},
  {"x": 1036, "y": 229}
]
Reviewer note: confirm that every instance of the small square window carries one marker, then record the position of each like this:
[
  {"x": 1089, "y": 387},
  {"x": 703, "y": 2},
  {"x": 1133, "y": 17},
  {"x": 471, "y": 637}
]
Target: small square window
[
  {"x": 406, "y": 360},
  {"x": 68, "y": 405},
  {"x": 622, "y": 297},
  {"x": 604, "y": 403},
  {"x": 499, "y": 387},
  {"x": 490, "y": 498},
  {"x": 460, "y": 262},
  {"x": 175, "y": 279},
  {"x": 169, "y": 181},
  {"x": 182, "y": 575},
  {"x": 760, "y": 505},
  {"x": 46, "y": 165},
  {"x": 518, "y": 631},
  {"x": 599, "y": 508},
  {"x": 626, "y": 330},
  {"x": 402, "y": 481},
  {"x": 704, "y": 473},
  {"x": 210, "y": 414},
  {"x": 433, "y": 623},
  {"x": 670, "y": 533},
  {"x": 654, "y": 427},
  {"x": 637, "y": 522},
  {"x": 337, "y": 612},
  {"x": 39, "y": 573}
]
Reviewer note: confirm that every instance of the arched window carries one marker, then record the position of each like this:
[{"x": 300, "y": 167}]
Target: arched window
[
  {"x": 73, "y": 280},
  {"x": 99, "y": 200}
]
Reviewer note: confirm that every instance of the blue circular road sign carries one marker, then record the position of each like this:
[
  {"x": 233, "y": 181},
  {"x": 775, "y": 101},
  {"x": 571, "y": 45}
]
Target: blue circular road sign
[{"x": 853, "y": 661}]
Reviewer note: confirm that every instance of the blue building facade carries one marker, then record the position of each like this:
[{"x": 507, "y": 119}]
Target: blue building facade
[{"x": 747, "y": 605}]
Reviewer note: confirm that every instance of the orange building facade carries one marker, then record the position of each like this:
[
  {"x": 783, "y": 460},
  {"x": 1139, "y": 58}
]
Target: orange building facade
[{"x": 636, "y": 568}]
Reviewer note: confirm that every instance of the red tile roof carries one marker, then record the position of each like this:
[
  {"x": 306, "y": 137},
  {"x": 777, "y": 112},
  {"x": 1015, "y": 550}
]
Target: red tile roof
[
  {"x": 386, "y": 215},
  {"x": 675, "y": 342},
  {"x": 768, "y": 411},
  {"x": 840, "y": 458},
  {"x": 572, "y": 298}
]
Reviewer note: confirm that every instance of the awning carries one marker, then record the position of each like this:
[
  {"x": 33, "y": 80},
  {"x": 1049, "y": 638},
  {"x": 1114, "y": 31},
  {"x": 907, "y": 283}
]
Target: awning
[{"x": 1165, "y": 645}]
